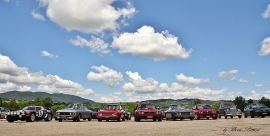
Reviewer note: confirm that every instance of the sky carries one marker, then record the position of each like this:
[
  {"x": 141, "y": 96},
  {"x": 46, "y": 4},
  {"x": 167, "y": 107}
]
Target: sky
[{"x": 135, "y": 50}]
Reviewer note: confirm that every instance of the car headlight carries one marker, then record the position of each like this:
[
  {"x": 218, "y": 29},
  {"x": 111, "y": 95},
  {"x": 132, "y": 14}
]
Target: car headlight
[
  {"x": 228, "y": 110},
  {"x": 191, "y": 113},
  {"x": 114, "y": 114},
  {"x": 58, "y": 113},
  {"x": 141, "y": 112},
  {"x": 213, "y": 111},
  {"x": 179, "y": 113},
  {"x": 100, "y": 114}
]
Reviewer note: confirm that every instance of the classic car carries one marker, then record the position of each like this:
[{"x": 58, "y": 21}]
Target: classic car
[
  {"x": 178, "y": 111},
  {"x": 256, "y": 109},
  {"x": 111, "y": 112},
  {"x": 228, "y": 109},
  {"x": 3, "y": 112},
  {"x": 95, "y": 111},
  {"x": 163, "y": 111},
  {"x": 75, "y": 112},
  {"x": 30, "y": 114},
  {"x": 127, "y": 114},
  {"x": 204, "y": 111},
  {"x": 147, "y": 111}
]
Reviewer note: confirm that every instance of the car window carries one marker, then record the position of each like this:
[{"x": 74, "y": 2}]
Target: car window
[
  {"x": 28, "y": 108},
  {"x": 112, "y": 107},
  {"x": 38, "y": 108},
  {"x": 228, "y": 105},
  {"x": 146, "y": 106}
]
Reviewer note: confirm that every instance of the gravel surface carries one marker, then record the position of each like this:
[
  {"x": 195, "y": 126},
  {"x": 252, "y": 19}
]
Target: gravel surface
[{"x": 235, "y": 126}]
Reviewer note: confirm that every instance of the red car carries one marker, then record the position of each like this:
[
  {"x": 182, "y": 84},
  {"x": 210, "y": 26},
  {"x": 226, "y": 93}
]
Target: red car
[
  {"x": 147, "y": 111},
  {"x": 204, "y": 111},
  {"x": 111, "y": 112}
]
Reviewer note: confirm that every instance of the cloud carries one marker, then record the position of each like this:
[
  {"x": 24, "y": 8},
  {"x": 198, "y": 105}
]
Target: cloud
[
  {"x": 109, "y": 77},
  {"x": 139, "y": 85},
  {"x": 243, "y": 80},
  {"x": 225, "y": 74},
  {"x": 47, "y": 54},
  {"x": 88, "y": 16},
  {"x": 254, "y": 95},
  {"x": 266, "y": 13},
  {"x": 17, "y": 78},
  {"x": 95, "y": 44},
  {"x": 252, "y": 73},
  {"x": 190, "y": 80},
  {"x": 37, "y": 16},
  {"x": 145, "y": 42},
  {"x": 258, "y": 85},
  {"x": 6, "y": 0},
  {"x": 267, "y": 94},
  {"x": 265, "y": 49}
]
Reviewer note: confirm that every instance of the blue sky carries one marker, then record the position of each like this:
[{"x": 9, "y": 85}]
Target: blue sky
[{"x": 119, "y": 51}]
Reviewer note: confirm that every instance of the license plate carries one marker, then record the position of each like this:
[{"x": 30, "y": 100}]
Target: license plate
[
  {"x": 207, "y": 116},
  {"x": 20, "y": 116},
  {"x": 149, "y": 116},
  {"x": 264, "y": 113}
]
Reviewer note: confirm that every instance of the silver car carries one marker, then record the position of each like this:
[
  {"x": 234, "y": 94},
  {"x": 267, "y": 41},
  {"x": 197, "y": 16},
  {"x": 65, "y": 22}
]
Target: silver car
[
  {"x": 3, "y": 112},
  {"x": 176, "y": 111},
  {"x": 74, "y": 112}
]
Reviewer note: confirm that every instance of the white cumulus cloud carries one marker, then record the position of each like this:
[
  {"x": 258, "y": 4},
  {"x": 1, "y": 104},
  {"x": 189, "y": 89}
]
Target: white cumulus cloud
[
  {"x": 258, "y": 85},
  {"x": 191, "y": 80},
  {"x": 230, "y": 73},
  {"x": 265, "y": 49},
  {"x": 266, "y": 13},
  {"x": 145, "y": 42},
  {"x": 243, "y": 80},
  {"x": 109, "y": 77},
  {"x": 95, "y": 44},
  {"x": 89, "y": 16},
  {"x": 37, "y": 16},
  {"x": 47, "y": 54}
]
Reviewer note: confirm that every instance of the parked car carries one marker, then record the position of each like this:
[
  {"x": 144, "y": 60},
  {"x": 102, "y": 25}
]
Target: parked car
[
  {"x": 256, "y": 109},
  {"x": 95, "y": 111},
  {"x": 178, "y": 111},
  {"x": 147, "y": 111},
  {"x": 3, "y": 112},
  {"x": 228, "y": 109},
  {"x": 163, "y": 112},
  {"x": 74, "y": 112},
  {"x": 30, "y": 114},
  {"x": 127, "y": 114},
  {"x": 204, "y": 111},
  {"x": 111, "y": 112}
]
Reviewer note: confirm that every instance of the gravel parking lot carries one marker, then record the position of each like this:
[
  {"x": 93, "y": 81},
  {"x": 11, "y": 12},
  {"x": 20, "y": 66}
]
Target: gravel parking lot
[{"x": 244, "y": 126}]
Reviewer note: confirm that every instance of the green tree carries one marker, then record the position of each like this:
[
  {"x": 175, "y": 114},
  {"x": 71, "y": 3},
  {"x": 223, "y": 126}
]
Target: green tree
[
  {"x": 197, "y": 101},
  {"x": 38, "y": 102},
  {"x": 216, "y": 105},
  {"x": 240, "y": 102},
  {"x": 264, "y": 101},
  {"x": 58, "y": 107},
  {"x": 47, "y": 102},
  {"x": 250, "y": 101}
]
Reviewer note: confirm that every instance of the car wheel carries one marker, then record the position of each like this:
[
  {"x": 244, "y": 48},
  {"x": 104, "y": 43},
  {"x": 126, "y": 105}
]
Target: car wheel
[
  {"x": 245, "y": 115},
  {"x": 10, "y": 120},
  {"x": 191, "y": 118},
  {"x": 173, "y": 117},
  {"x": 181, "y": 119},
  {"x": 123, "y": 119},
  {"x": 154, "y": 120},
  {"x": 118, "y": 119},
  {"x": 231, "y": 117},
  {"x": 31, "y": 118},
  {"x": 78, "y": 119},
  {"x": 215, "y": 118},
  {"x": 225, "y": 117},
  {"x": 252, "y": 114},
  {"x": 99, "y": 120},
  {"x": 160, "y": 119},
  {"x": 107, "y": 120},
  {"x": 219, "y": 116},
  {"x": 90, "y": 118},
  {"x": 60, "y": 120},
  {"x": 239, "y": 116},
  {"x": 262, "y": 116},
  {"x": 207, "y": 118},
  {"x": 49, "y": 117}
]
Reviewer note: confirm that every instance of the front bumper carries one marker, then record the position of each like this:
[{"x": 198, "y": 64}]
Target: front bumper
[
  {"x": 17, "y": 117},
  {"x": 149, "y": 116},
  {"x": 206, "y": 115},
  {"x": 184, "y": 116},
  {"x": 66, "y": 117},
  {"x": 262, "y": 113}
]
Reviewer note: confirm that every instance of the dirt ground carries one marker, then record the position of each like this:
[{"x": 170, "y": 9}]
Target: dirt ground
[{"x": 226, "y": 127}]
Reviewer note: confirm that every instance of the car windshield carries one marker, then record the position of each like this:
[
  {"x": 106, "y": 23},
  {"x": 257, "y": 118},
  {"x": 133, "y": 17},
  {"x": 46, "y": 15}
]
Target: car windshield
[
  {"x": 258, "y": 105},
  {"x": 74, "y": 106},
  {"x": 228, "y": 105},
  {"x": 147, "y": 106},
  {"x": 95, "y": 109},
  {"x": 204, "y": 107},
  {"x": 28, "y": 108},
  {"x": 112, "y": 107},
  {"x": 177, "y": 107}
]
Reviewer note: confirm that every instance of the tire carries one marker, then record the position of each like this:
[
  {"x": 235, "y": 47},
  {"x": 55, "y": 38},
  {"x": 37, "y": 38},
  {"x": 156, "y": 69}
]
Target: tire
[
  {"x": 252, "y": 114},
  {"x": 225, "y": 117},
  {"x": 60, "y": 120},
  {"x": 262, "y": 116},
  {"x": 49, "y": 117},
  {"x": 90, "y": 118},
  {"x": 31, "y": 118},
  {"x": 154, "y": 120},
  {"x": 207, "y": 118},
  {"x": 231, "y": 117},
  {"x": 99, "y": 120},
  {"x": 173, "y": 117},
  {"x": 160, "y": 119},
  {"x": 123, "y": 119},
  {"x": 239, "y": 116},
  {"x": 118, "y": 119},
  {"x": 191, "y": 118},
  {"x": 215, "y": 118},
  {"x": 10, "y": 120},
  {"x": 219, "y": 116},
  {"x": 245, "y": 115},
  {"x": 78, "y": 119},
  {"x": 137, "y": 119}
]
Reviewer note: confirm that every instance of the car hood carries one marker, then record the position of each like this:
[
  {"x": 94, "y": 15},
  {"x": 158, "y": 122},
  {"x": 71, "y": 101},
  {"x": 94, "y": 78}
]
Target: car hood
[
  {"x": 181, "y": 110},
  {"x": 205, "y": 110},
  {"x": 108, "y": 111},
  {"x": 67, "y": 110}
]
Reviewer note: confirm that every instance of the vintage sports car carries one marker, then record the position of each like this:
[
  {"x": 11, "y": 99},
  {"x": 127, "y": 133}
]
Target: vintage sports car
[
  {"x": 95, "y": 111},
  {"x": 30, "y": 114},
  {"x": 176, "y": 111},
  {"x": 127, "y": 114},
  {"x": 228, "y": 109},
  {"x": 147, "y": 111},
  {"x": 204, "y": 111},
  {"x": 256, "y": 109},
  {"x": 74, "y": 112},
  {"x": 3, "y": 112},
  {"x": 111, "y": 112}
]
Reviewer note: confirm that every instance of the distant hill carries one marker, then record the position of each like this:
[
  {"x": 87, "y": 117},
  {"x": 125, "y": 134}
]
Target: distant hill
[{"x": 56, "y": 97}]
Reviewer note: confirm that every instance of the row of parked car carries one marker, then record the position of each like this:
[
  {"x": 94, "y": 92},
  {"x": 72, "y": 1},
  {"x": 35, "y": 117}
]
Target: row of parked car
[{"x": 78, "y": 111}]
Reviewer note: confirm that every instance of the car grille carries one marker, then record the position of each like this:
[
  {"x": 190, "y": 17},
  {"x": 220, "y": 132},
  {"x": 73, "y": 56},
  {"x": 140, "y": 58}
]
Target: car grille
[
  {"x": 64, "y": 113},
  {"x": 207, "y": 112},
  {"x": 149, "y": 112},
  {"x": 233, "y": 111},
  {"x": 106, "y": 115},
  {"x": 185, "y": 113}
]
